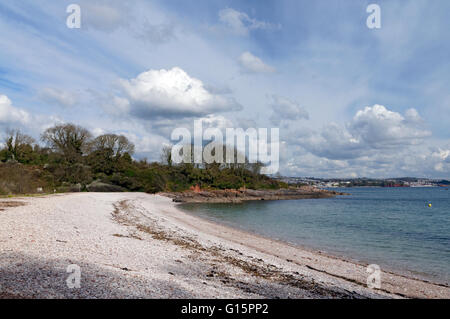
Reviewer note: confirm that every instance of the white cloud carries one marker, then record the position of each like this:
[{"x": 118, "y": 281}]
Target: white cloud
[
  {"x": 240, "y": 23},
  {"x": 216, "y": 121},
  {"x": 148, "y": 145},
  {"x": 253, "y": 64},
  {"x": 173, "y": 93},
  {"x": 380, "y": 127},
  {"x": 372, "y": 130},
  {"x": 413, "y": 116},
  {"x": 333, "y": 142},
  {"x": 417, "y": 161},
  {"x": 442, "y": 154},
  {"x": 17, "y": 118},
  {"x": 441, "y": 159},
  {"x": 286, "y": 110},
  {"x": 97, "y": 131},
  {"x": 10, "y": 114},
  {"x": 58, "y": 96}
]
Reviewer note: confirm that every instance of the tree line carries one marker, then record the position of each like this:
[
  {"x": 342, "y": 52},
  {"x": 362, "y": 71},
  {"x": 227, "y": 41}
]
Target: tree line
[{"x": 69, "y": 158}]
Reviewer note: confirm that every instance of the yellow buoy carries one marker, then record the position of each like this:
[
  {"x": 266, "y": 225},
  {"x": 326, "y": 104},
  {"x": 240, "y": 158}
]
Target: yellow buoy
[{"x": 429, "y": 205}]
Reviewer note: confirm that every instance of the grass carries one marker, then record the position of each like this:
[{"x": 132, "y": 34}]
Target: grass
[{"x": 25, "y": 195}]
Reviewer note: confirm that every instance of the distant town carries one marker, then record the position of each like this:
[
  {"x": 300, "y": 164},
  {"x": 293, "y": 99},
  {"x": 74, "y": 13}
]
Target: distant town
[{"x": 366, "y": 182}]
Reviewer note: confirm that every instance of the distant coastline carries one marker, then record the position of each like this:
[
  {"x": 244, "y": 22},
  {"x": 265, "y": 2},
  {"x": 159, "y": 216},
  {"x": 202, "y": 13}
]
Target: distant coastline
[{"x": 365, "y": 182}]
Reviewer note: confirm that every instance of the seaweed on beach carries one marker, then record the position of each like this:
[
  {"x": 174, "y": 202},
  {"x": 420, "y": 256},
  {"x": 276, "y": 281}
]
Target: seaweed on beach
[
  {"x": 257, "y": 277},
  {"x": 9, "y": 204}
]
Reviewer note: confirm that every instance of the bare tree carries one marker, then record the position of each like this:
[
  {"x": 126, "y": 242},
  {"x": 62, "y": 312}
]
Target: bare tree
[{"x": 67, "y": 139}]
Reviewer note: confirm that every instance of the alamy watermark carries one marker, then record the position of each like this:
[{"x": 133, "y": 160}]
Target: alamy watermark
[
  {"x": 74, "y": 19},
  {"x": 374, "y": 278},
  {"x": 374, "y": 19},
  {"x": 74, "y": 279},
  {"x": 239, "y": 146}
]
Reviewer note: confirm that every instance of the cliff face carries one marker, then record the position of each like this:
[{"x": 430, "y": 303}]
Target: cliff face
[{"x": 238, "y": 196}]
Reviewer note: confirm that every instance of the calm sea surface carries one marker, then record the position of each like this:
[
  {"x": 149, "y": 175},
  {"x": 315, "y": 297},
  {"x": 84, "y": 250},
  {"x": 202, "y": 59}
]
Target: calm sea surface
[{"x": 391, "y": 227}]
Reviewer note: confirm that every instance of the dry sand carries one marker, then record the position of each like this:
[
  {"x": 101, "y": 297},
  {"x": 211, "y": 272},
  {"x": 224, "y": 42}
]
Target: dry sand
[{"x": 134, "y": 245}]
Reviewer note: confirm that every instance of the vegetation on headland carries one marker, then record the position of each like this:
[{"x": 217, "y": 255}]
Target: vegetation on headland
[{"x": 70, "y": 159}]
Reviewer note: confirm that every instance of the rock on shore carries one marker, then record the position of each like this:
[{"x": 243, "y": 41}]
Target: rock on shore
[{"x": 238, "y": 196}]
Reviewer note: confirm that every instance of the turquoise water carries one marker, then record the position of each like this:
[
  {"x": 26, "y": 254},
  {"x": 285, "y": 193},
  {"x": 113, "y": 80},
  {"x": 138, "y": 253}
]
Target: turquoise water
[{"x": 391, "y": 227}]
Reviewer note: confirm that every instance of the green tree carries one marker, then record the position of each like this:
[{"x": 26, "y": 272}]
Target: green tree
[
  {"x": 110, "y": 153},
  {"x": 19, "y": 146}
]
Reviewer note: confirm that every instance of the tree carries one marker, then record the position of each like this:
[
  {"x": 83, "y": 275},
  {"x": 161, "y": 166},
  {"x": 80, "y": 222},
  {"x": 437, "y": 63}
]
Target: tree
[
  {"x": 69, "y": 140},
  {"x": 114, "y": 145},
  {"x": 19, "y": 146},
  {"x": 110, "y": 153},
  {"x": 255, "y": 168},
  {"x": 166, "y": 155}
]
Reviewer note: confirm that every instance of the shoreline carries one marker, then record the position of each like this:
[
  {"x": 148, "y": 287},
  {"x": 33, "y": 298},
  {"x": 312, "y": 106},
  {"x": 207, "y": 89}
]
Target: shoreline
[
  {"x": 389, "y": 269},
  {"x": 329, "y": 255},
  {"x": 134, "y": 245},
  {"x": 243, "y": 195}
]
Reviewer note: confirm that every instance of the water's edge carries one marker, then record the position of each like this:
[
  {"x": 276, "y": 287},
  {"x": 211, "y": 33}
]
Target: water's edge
[{"x": 412, "y": 271}]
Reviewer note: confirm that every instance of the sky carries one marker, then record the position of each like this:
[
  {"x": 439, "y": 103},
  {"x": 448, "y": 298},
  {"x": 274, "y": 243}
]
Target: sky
[{"x": 349, "y": 101}]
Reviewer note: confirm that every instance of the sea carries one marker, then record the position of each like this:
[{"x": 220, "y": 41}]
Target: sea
[{"x": 405, "y": 230}]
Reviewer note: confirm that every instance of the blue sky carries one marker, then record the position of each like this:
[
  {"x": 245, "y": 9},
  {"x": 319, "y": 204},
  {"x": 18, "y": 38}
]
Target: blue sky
[{"x": 377, "y": 100}]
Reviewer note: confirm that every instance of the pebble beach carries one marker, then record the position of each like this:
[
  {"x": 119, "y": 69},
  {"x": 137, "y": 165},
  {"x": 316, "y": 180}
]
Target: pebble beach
[{"x": 135, "y": 245}]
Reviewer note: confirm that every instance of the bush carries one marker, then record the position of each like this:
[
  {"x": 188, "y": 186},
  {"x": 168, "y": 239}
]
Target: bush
[{"x": 16, "y": 178}]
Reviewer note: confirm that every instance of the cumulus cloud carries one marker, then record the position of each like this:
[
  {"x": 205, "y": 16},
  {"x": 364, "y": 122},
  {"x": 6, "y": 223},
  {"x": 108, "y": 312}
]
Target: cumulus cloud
[
  {"x": 440, "y": 157},
  {"x": 286, "y": 110},
  {"x": 415, "y": 160},
  {"x": 373, "y": 129},
  {"x": 173, "y": 93},
  {"x": 333, "y": 142},
  {"x": 241, "y": 24},
  {"x": 253, "y": 64},
  {"x": 10, "y": 114},
  {"x": 380, "y": 127},
  {"x": 58, "y": 97},
  {"x": 17, "y": 118}
]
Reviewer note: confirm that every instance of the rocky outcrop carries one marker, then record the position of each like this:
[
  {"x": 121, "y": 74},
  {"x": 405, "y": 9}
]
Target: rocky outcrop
[
  {"x": 99, "y": 187},
  {"x": 238, "y": 196},
  {"x": 76, "y": 188}
]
